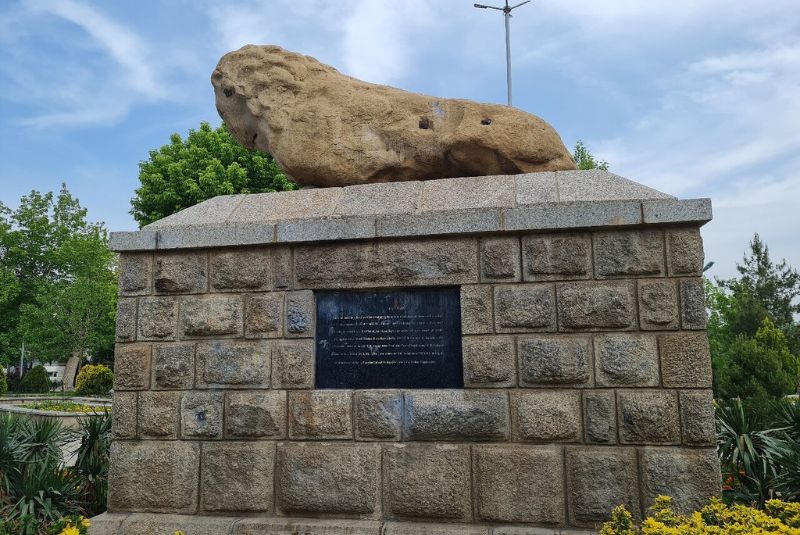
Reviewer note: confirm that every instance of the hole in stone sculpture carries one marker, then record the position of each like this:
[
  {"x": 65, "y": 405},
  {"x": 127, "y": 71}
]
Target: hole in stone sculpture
[
  {"x": 201, "y": 416},
  {"x": 424, "y": 123},
  {"x": 228, "y": 91},
  {"x": 486, "y": 122}
]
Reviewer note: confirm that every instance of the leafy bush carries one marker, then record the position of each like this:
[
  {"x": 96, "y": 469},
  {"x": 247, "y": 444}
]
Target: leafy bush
[
  {"x": 36, "y": 381},
  {"x": 63, "y": 406},
  {"x": 94, "y": 380},
  {"x": 3, "y": 383}
]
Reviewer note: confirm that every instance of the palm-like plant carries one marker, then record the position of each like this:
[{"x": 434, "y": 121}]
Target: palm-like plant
[{"x": 92, "y": 460}]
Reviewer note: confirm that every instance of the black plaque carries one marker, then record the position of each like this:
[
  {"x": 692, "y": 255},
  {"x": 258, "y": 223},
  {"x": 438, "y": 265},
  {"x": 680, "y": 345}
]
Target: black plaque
[{"x": 389, "y": 339}]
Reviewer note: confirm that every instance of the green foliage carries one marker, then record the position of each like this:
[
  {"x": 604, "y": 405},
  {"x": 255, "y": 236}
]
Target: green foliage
[
  {"x": 92, "y": 461},
  {"x": 36, "y": 380},
  {"x": 585, "y": 160},
  {"x": 62, "y": 406},
  {"x": 207, "y": 164},
  {"x": 3, "y": 383},
  {"x": 94, "y": 380}
]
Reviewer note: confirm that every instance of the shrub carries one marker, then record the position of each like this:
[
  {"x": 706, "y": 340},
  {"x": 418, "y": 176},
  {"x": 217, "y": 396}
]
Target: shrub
[
  {"x": 3, "y": 383},
  {"x": 94, "y": 380},
  {"x": 36, "y": 381}
]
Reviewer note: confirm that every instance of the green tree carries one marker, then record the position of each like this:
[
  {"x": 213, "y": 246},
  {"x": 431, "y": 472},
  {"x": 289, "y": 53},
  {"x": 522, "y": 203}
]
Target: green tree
[
  {"x": 36, "y": 381},
  {"x": 206, "y": 164},
  {"x": 585, "y": 160}
]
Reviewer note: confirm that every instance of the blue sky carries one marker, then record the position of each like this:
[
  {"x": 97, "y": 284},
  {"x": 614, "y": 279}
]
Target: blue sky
[{"x": 697, "y": 98}]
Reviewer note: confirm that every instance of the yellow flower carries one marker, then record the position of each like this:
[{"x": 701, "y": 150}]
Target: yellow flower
[
  {"x": 70, "y": 530},
  {"x": 85, "y": 523}
]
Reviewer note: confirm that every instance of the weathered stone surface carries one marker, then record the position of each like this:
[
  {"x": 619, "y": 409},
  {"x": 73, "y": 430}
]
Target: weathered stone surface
[
  {"x": 556, "y": 257},
  {"x": 628, "y": 252},
  {"x": 211, "y": 315},
  {"x": 328, "y": 478},
  {"x": 551, "y": 360},
  {"x": 282, "y": 265},
  {"x": 684, "y": 252},
  {"x": 379, "y": 415},
  {"x": 168, "y": 470},
  {"x": 658, "y": 304},
  {"x": 305, "y": 526},
  {"x": 158, "y": 414},
  {"x": 600, "y": 416},
  {"x": 126, "y": 320},
  {"x": 233, "y": 364},
  {"x": 500, "y": 259},
  {"x": 161, "y": 524},
  {"x": 300, "y": 314},
  {"x": 321, "y": 415},
  {"x": 427, "y": 481},
  {"x": 158, "y": 317},
  {"x": 181, "y": 272},
  {"x": 685, "y": 360},
  {"x": 626, "y": 360},
  {"x": 132, "y": 367},
  {"x": 260, "y": 414},
  {"x": 135, "y": 273},
  {"x": 476, "y": 309},
  {"x": 547, "y": 415},
  {"x": 519, "y": 484},
  {"x": 689, "y": 476},
  {"x": 293, "y": 364},
  {"x": 420, "y": 528},
  {"x": 123, "y": 425},
  {"x": 248, "y": 269},
  {"x": 525, "y": 307},
  {"x": 595, "y": 306},
  {"x": 456, "y": 415},
  {"x": 599, "y": 479},
  {"x": 201, "y": 415},
  {"x": 173, "y": 366},
  {"x": 372, "y": 133},
  {"x": 428, "y": 261},
  {"x": 693, "y": 304},
  {"x": 489, "y": 361},
  {"x": 263, "y": 315},
  {"x": 697, "y": 417},
  {"x": 649, "y": 417},
  {"x": 237, "y": 476},
  {"x": 106, "y": 523}
]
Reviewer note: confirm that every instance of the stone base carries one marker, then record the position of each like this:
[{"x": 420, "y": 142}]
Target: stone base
[{"x": 163, "y": 524}]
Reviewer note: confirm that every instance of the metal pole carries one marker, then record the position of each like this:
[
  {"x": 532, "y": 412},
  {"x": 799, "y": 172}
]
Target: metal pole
[
  {"x": 507, "y": 15},
  {"x": 22, "y": 359}
]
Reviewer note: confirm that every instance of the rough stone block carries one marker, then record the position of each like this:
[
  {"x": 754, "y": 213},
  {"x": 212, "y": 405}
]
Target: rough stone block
[
  {"x": 676, "y": 211},
  {"x": 132, "y": 367},
  {"x": 106, "y": 523},
  {"x": 260, "y": 414},
  {"x": 173, "y": 366},
  {"x": 648, "y": 417},
  {"x": 599, "y": 479},
  {"x": 600, "y": 416},
  {"x": 626, "y": 360},
  {"x": 628, "y": 252},
  {"x": 556, "y": 257},
  {"x": 233, "y": 364},
  {"x": 427, "y": 481},
  {"x": 211, "y": 315},
  {"x": 328, "y": 478},
  {"x": 123, "y": 425},
  {"x": 317, "y": 229},
  {"x": 476, "y": 309},
  {"x": 305, "y": 526},
  {"x": 248, "y": 269},
  {"x": 379, "y": 415},
  {"x": 168, "y": 470},
  {"x": 263, "y": 315},
  {"x": 519, "y": 484},
  {"x": 685, "y": 360},
  {"x": 551, "y": 360},
  {"x": 421, "y": 528},
  {"x": 181, "y": 272},
  {"x": 658, "y": 304},
  {"x": 456, "y": 415},
  {"x": 500, "y": 259},
  {"x": 283, "y": 267},
  {"x": 547, "y": 415},
  {"x": 690, "y": 476},
  {"x": 697, "y": 417},
  {"x": 597, "y": 306},
  {"x": 525, "y": 307},
  {"x": 161, "y": 524},
  {"x": 201, "y": 415},
  {"x": 321, "y": 415},
  {"x": 237, "y": 476},
  {"x": 468, "y": 221},
  {"x": 693, "y": 304},
  {"x": 684, "y": 252},
  {"x": 158, "y": 414},
  {"x": 573, "y": 215},
  {"x": 293, "y": 364},
  {"x": 158, "y": 317},
  {"x": 300, "y": 311},
  {"x": 126, "y": 320},
  {"x": 135, "y": 273},
  {"x": 489, "y": 361}
]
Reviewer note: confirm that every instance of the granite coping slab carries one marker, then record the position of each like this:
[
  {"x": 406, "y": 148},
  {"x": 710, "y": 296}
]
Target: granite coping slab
[{"x": 472, "y": 205}]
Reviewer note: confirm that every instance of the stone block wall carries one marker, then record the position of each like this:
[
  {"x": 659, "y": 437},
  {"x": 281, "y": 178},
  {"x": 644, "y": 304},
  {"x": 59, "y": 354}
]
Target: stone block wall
[{"x": 586, "y": 369}]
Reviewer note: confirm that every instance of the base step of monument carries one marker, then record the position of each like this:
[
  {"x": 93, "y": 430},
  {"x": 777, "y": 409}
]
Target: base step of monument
[{"x": 166, "y": 524}]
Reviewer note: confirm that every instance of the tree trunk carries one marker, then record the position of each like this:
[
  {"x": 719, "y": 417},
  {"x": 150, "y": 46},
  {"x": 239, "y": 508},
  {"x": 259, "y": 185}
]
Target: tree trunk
[{"x": 70, "y": 371}]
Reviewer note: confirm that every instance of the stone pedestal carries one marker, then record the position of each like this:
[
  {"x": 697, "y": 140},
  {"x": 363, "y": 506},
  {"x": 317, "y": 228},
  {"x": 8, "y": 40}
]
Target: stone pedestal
[{"x": 586, "y": 364}]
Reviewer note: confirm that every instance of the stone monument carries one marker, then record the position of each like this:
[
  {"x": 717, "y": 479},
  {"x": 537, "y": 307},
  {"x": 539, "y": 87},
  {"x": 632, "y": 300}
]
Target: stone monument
[{"x": 491, "y": 355}]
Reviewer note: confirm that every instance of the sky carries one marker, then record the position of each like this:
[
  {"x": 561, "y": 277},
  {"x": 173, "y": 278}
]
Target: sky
[{"x": 697, "y": 99}]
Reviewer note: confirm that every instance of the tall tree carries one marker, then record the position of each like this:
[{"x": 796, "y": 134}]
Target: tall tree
[
  {"x": 209, "y": 162},
  {"x": 585, "y": 160}
]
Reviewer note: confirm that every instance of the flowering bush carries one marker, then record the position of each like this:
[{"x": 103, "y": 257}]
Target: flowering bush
[
  {"x": 94, "y": 380},
  {"x": 70, "y": 525}
]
